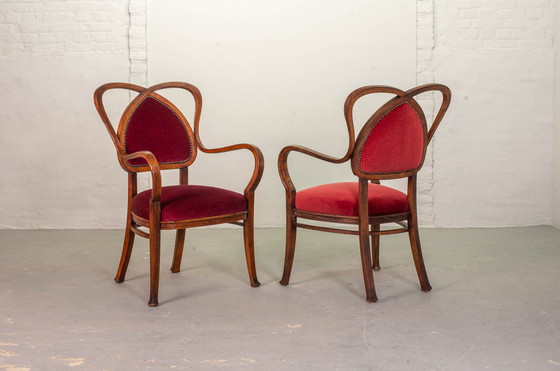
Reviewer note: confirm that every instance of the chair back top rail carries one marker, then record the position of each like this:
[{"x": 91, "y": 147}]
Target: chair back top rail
[
  {"x": 401, "y": 147},
  {"x": 133, "y": 132}
]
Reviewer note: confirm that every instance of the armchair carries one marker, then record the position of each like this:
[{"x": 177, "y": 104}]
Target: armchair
[
  {"x": 153, "y": 135},
  {"x": 391, "y": 144}
]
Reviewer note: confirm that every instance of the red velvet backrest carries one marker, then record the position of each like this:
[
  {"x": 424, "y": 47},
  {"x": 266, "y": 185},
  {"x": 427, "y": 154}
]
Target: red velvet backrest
[
  {"x": 393, "y": 141},
  {"x": 152, "y": 123}
]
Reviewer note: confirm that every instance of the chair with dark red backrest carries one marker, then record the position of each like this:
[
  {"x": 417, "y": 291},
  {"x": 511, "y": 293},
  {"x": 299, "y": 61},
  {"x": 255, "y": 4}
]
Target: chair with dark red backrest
[
  {"x": 392, "y": 144},
  {"x": 154, "y": 135}
]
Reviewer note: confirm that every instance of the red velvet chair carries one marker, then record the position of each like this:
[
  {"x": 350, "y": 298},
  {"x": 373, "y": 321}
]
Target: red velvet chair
[
  {"x": 154, "y": 135},
  {"x": 392, "y": 144}
]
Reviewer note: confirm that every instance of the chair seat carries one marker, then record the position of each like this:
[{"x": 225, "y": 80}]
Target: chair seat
[
  {"x": 184, "y": 202},
  {"x": 342, "y": 199}
]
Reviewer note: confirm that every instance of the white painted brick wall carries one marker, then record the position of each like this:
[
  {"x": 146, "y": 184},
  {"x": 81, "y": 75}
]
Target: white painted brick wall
[
  {"x": 444, "y": 28},
  {"x": 137, "y": 43},
  {"x": 53, "y": 54},
  {"x": 556, "y": 140},
  {"x": 424, "y": 75},
  {"x": 497, "y": 57},
  {"x": 61, "y": 27},
  {"x": 76, "y": 27},
  {"x": 483, "y": 27},
  {"x": 494, "y": 24}
]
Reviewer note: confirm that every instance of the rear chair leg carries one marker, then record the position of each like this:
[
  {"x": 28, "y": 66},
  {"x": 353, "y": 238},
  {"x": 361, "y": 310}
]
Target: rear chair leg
[
  {"x": 126, "y": 250},
  {"x": 178, "y": 253},
  {"x": 375, "y": 247}
]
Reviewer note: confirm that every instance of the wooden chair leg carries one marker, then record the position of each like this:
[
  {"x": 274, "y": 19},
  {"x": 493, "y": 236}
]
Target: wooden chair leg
[
  {"x": 126, "y": 250},
  {"x": 249, "y": 241},
  {"x": 414, "y": 237},
  {"x": 375, "y": 248},
  {"x": 366, "y": 266},
  {"x": 155, "y": 231},
  {"x": 365, "y": 252},
  {"x": 178, "y": 252},
  {"x": 291, "y": 233}
]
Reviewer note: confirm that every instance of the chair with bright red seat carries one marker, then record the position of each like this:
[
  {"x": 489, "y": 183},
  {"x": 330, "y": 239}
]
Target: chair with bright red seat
[
  {"x": 153, "y": 135},
  {"x": 391, "y": 144}
]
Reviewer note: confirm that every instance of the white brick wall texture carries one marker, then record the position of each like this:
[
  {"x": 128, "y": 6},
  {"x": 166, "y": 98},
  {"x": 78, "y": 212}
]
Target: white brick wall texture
[
  {"x": 494, "y": 24},
  {"x": 53, "y": 54},
  {"x": 62, "y": 27},
  {"x": 497, "y": 56},
  {"x": 137, "y": 34},
  {"x": 444, "y": 28},
  {"x": 76, "y": 27},
  {"x": 486, "y": 27},
  {"x": 425, "y": 75}
]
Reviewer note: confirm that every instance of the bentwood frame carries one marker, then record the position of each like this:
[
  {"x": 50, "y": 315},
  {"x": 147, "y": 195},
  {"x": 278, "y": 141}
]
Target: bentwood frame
[
  {"x": 150, "y": 163},
  {"x": 367, "y": 225}
]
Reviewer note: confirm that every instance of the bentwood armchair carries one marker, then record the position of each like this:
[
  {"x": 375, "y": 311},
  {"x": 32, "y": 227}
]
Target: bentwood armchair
[
  {"x": 154, "y": 135},
  {"x": 391, "y": 144}
]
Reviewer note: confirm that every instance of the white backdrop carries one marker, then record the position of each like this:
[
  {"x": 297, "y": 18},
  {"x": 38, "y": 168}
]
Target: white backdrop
[{"x": 276, "y": 73}]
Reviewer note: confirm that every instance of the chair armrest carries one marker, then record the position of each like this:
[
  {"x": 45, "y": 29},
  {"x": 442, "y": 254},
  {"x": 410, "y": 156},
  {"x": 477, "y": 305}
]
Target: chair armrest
[
  {"x": 348, "y": 115},
  {"x": 283, "y": 163},
  {"x": 257, "y": 155},
  {"x": 154, "y": 169}
]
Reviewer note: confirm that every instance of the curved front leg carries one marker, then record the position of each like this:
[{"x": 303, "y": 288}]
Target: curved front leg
[
  {"x": 128, "y": 234},
  {"x": 249, "y": 242},
  {"x": 155, "y": 220},
  {"x": 291, "y": 226},
  {"x": 291, "y": 233},
  {"x": 249, "y": 193},
  {"x": 155, "y": 228}
]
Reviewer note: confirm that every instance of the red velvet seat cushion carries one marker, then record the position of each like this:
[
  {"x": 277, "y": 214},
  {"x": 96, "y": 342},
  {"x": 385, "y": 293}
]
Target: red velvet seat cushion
[
  {"x": 342, "y": 199},
  {"x": 184, "y": 202}
]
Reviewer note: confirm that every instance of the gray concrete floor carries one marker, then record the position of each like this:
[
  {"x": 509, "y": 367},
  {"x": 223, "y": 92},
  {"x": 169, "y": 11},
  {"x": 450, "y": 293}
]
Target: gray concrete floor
[{"x": 495, "y": 303}]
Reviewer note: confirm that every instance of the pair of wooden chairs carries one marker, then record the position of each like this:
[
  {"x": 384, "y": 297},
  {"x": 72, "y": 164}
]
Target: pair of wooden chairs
[{"x": 154, "y": 135}]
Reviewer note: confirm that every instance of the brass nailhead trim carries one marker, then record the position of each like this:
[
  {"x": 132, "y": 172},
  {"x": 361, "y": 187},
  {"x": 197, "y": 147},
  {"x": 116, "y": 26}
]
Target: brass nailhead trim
[
  {"x": 368, "y": 134},
  {"x": 176, "y": 115}
]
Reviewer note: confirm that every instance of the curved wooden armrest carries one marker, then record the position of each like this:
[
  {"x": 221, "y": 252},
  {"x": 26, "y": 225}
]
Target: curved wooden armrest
[
  {"x": 283, "y": 163},
  {"x": 257, "y": 155},
  {"x": 154, "y": 169},
  {"x": 310, "y": 152}
]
